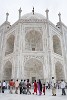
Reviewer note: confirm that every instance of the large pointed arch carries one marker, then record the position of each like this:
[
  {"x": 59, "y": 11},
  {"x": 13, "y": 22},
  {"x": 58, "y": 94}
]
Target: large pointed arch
[
  {"x": 33, "y": 41},
  {"x": 10, "y": 45},
  {"x": 33, "y": 69},
  {"x": 57, "y": 45},
  {"x": 7, "y": 70},
  {"x": 59, "y": 71}
]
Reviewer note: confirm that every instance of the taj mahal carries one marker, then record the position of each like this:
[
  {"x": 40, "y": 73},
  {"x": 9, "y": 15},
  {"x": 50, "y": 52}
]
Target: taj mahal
[{"x": 33, "y": 48}]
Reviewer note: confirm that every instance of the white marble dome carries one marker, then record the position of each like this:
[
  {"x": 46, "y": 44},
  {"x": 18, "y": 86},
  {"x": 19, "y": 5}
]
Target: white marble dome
[{"x": 33, "y": 16}]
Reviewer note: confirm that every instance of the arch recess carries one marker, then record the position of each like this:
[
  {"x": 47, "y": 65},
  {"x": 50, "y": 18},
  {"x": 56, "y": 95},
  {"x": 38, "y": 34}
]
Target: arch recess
[
  {"x": 59, "y": 71},
  {"x": 10, "y": 45},
  {"x": 7, "y": 70},
  {"x": 33, "y": 69},
  {"x": 57, "y": 45},
  {"x": 33, "y": 41}
]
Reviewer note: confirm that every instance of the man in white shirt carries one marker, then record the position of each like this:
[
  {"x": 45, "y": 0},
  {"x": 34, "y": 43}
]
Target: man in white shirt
[
  {"x": 3, "y": 86},
  {"x": 63, "y": 87}
]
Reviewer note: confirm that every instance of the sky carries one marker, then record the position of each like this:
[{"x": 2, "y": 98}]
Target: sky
[{"x": 54, "y": 6}]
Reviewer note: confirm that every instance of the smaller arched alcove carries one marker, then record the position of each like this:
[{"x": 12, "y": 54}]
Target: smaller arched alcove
[
  {"x": 7, "y": 71},
  {"x": 57, "y": 45},
  {"x": 59, "y": 71},
  {"x": 10, "y": 45}
]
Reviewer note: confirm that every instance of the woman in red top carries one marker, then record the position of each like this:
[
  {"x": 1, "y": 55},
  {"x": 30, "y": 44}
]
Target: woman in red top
[
  {"x": 11, "y": 85},
  {"x": 35, "y": 87}
]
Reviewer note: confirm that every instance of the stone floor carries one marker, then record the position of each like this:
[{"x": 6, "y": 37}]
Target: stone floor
[{"x": 48, "y": 96}]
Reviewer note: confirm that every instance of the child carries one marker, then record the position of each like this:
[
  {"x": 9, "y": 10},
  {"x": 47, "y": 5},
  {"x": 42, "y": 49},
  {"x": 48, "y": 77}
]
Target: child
[{"x": 44, "y": 88}]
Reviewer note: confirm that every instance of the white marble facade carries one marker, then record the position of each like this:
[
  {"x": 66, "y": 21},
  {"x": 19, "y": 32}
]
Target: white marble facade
[{"x": 33, "y": 48}]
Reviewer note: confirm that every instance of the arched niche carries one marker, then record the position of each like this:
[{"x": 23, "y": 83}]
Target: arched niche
[
  {"x": 57, "y": 45},
  {"x": 33, "y": 69},
  {"x": 10, "y": 45},
  {"x": 33, "y": 41},
  {"x": 7, "y": 70},
  {"x": 59, "y": 71}
]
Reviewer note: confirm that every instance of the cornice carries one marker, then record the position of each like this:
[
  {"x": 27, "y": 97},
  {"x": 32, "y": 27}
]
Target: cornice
[{"x": 23, "y": 21}]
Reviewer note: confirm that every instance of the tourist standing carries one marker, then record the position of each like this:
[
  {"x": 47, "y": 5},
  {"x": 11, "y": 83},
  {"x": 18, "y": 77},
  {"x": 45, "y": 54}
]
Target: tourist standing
[
  {"x": 40, "y": 87},
  {"x": 35, "y": 87},
  {"x": 3, "y": 86},
  {"x": 16, "y": 86},
  {"x": 52, "y": 86},
  {"x": 44, "y": 88},
  {"x": 63, "y": 87},
  {"x": 20, "y": 85},
  {"x": 0, "y": 86},
  {"x": 11, "y": 85},
  {"x": 28, "y": 86},
  {"x": 54, "y": 90},
  {"x": 24, "y": 87}
]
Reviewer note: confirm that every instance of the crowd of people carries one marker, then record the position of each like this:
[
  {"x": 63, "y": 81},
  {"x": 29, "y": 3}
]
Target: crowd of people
[{"x": 24, "y": 87}]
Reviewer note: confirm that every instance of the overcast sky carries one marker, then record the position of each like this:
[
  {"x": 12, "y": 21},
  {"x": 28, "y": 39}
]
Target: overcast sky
[{"x": 54, "y": 6}]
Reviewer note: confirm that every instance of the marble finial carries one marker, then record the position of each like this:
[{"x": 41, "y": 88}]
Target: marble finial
[
  {"x": 47, "y": 13},
  {"x": 20, "y": 13},
  {"x": 33, "y": 10},
  {"x": 59, "y": 17},
  {"x": 7, "y": 14}
]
